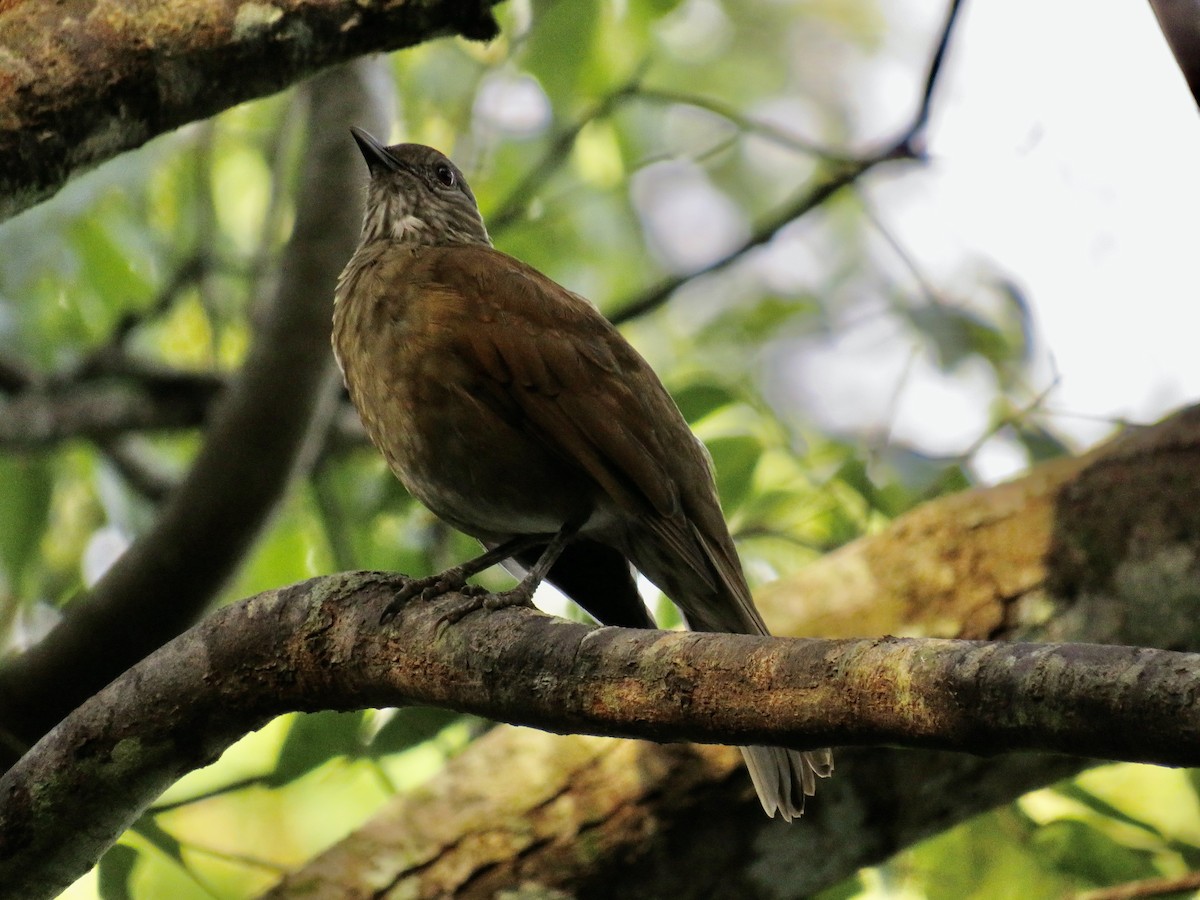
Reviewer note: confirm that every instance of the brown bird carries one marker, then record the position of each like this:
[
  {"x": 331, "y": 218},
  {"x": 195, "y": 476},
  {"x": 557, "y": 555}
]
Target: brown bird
[{"x": 518, "y": 414}]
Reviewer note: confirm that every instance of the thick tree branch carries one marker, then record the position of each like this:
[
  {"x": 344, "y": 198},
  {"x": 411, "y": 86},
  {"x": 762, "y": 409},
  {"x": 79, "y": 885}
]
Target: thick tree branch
[
  {"x": 84, "y": 82},
  {"x": 1103, "y": 548},
  {"x": 262, "y": 431},
  {"x": 319, "y": 645}
]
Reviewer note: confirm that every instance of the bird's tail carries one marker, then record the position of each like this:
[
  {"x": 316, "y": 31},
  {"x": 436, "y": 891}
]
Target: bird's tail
[
  {"x": 783, "y": 778},
  {"x": 706, "y": 582}
]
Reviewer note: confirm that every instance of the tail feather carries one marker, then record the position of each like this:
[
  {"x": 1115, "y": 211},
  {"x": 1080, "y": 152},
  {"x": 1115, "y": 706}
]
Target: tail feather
[{"x": 783, "y": 778}]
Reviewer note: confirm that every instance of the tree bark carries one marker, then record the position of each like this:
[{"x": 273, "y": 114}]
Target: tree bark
[
  {"x": 83, "y": 81},
  {"x": 319, "y": 645}
]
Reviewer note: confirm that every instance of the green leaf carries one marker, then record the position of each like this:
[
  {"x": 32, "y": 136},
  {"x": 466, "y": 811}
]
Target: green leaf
[
  {"x": 108, "y": 270},
  {"x": 735, "y": 458},
  {"x": 165, "y": 843},
  {"x": 26, "y": 488},
  {"x": 847, "y": 890},
  {"x": 1073, "y": 791},
  {"x": 561, "y": 44},
  {"x": 1077, "y": 849},
  {"x": 958, "y": 334},
  {"x": 985, "y": 857},
  {"x": 409, "y": 727},
  {"x": 1040, "y": 443},
  {"x": 700, "y": 398},
  {"x": 313, "y": 740},
  {"x": 762, "y": 321},
  {"x": 656, "y": 8},
  {"x": 114, "y": 871}
]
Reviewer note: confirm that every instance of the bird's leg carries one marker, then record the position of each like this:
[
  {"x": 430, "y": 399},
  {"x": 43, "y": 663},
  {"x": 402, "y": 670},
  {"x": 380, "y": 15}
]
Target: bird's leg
[
  {"x": 455, "y": 578},
  {"x": 522, "y": 594}
]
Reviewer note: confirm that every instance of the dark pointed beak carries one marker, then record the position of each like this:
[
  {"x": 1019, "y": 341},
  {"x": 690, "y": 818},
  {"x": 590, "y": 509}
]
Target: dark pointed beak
[{"x": 377, "y": 156}]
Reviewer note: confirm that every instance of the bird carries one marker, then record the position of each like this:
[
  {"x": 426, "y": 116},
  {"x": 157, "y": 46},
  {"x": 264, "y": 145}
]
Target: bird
[{"x": 518, "y": 414}]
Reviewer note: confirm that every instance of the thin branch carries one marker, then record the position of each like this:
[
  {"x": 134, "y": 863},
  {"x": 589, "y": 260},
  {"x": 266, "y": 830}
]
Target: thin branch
[
  {"x": 144, "y": 475},
  {"x": 514, "y": 206},
  {"x": 103, "y": 409},
  {"x": 932, "y": 296},
  {"x": 15, "y": 375},
  {"x": 842, "y": 174},
  {"x": 838, "y": 175},
  {"x": 188, "y": 273},
  {"x": 318, "y": 645},
  {"x": 108, "y": 406},
  {"x": 741, "y": 121},
  {"x": 917, "y": 129}
]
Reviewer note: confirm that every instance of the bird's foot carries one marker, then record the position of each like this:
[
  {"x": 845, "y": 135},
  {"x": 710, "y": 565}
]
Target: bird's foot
[
  {"x": 521, "y": 595},
  {"x": 428, "y": 588}
]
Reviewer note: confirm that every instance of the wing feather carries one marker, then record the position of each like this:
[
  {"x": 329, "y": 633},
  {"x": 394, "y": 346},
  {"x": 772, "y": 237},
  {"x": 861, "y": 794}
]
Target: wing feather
[{"x": 548, "y": 359}]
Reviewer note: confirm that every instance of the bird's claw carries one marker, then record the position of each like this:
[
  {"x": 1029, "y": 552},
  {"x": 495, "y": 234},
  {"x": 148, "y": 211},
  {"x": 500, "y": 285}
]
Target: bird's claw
[
  {"x": 430, "y": 588},
  {"x": 480, "y": 598}
]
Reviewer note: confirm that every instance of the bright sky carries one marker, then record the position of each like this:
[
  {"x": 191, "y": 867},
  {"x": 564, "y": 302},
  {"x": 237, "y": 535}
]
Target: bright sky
[{"x": 1066, "y": 152}]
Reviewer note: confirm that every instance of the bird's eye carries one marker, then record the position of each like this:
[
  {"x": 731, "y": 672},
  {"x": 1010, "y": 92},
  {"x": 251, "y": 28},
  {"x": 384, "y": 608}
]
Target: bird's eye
[{"x": 445, "y": 175}]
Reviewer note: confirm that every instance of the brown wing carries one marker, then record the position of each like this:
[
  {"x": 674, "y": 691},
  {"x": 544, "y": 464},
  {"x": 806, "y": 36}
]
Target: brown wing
[{"x": 549, "y": 358}]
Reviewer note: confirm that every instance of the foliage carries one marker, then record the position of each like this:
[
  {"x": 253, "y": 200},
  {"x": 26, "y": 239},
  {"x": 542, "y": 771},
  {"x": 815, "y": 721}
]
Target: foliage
[{"x": 611, "y": 145}]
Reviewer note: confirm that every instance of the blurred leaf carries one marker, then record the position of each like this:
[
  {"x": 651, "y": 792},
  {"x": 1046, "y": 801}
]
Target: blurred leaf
[
  {"x": 114, "y": 871},
  {"x": 901, "y": 477},
  {"x": 1040, "y": 443},
  {"x": 735, "y": 458},
  {"x": 409, "y": 727},
  {"x": 1077, "y": 849},
  {"x": 851, "y": 887},
  {"x": 295, "y": 548},
  {"x": 108, "y": 267},
  {"x": 561, "y": 44},
  {"x": 957, "y": 334},
  {"x": 26, "y": 488},
  {"x": 657, "y": 8},
  {"x": 700, "y": 398},
  {"x": 148, "y": 828},
  {"x": 1017, "y": 306},
  {"x": 985, "y": 857},
  {"x": 1073, "y": 791},
  {"x": 314, "y": 739},
  {"x": 761, "y": 321},
  {"x": 853, "y": 473}
]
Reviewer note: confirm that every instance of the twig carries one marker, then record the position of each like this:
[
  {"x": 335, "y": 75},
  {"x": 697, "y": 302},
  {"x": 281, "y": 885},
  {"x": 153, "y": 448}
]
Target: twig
[
  {"x": 839, "y": 174},
  {"x": 556, "y": 154},
  {"x": 14, "y": 375},
  {"x": 741, "y": 121},
  {"x": 150, "y": 481},
  {"x": 917, "y": 129},
  {"x": 812, "y": 197}
]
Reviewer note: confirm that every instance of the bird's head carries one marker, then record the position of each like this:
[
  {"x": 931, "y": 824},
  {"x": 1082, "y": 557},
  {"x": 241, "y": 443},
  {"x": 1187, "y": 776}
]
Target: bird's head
[{"x": 417, "y": 196}]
